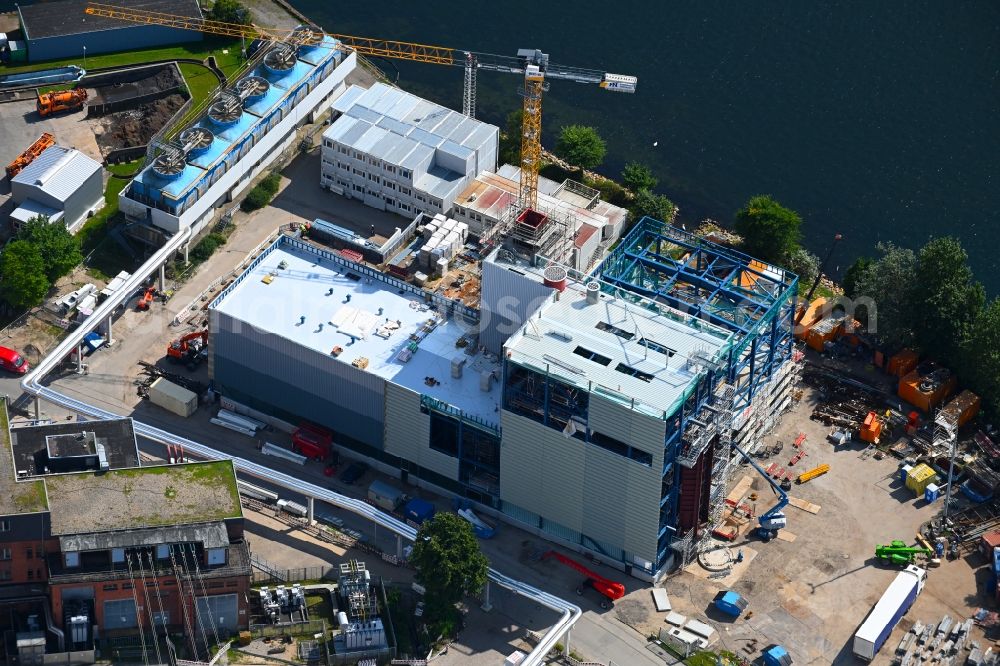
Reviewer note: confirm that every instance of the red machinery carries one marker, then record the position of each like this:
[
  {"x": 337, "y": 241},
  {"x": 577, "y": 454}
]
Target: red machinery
[
  {"x": 147, "y": 297},
  {"x": 609, "y": 589},
  {"x": 189, "y": 349},
  {"x": 312, "y": 441}
]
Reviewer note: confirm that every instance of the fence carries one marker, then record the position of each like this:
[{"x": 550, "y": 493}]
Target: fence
[
  {"x": 310, "y": 627},
  {"x": 296, "y": 575},
  {"x": 350, "y": 658}
]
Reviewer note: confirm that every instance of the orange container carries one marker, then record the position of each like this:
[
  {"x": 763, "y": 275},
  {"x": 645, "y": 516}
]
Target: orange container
[
  {"x": 963, "y": 407},
  {"x": 871, "y": 428},
  {"x": 808, "y": 319},
  {"x": 903, "y": 363},
  {"x": 927, "y": 391},
  {"x": 824, "y": 331}
]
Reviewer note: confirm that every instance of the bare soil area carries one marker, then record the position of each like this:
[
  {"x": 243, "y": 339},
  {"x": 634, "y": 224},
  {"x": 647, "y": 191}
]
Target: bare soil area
[{"x": 135, "y": 127}]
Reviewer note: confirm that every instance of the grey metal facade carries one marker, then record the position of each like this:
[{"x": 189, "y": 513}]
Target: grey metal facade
[
  {"x": 278, "y": 376},
  {"x": 507, "y": 299},
  {"x": 407, "y": 432},
  {"x": 594, "y": 494},
  {"x": 106, "y": 41},
  {"x": 223, "y": 609}
]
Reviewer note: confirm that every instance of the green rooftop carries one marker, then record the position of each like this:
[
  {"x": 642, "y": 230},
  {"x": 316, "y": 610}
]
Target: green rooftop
[
  {"x": 143, "y": 497},
  {"x": 16, "y": 497}
]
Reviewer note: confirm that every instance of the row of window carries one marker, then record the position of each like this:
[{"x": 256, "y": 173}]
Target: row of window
[
  {"x": 459, "y": 210},
  {"x": 373, "y": 161},
  {"x": 29, "y": 553}
]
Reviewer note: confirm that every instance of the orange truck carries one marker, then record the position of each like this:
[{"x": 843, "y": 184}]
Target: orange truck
[
  {"x": 65, "y": 100},
  {"x": 33, "y": 151}
]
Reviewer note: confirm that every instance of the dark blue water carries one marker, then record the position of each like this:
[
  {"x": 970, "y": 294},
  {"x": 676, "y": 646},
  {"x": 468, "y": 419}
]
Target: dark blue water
[{"x": 878, "y": 120}]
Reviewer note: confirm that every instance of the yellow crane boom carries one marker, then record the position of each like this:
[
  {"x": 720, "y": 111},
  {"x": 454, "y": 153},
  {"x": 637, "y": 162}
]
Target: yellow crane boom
[{"x": 531, "y": 63}]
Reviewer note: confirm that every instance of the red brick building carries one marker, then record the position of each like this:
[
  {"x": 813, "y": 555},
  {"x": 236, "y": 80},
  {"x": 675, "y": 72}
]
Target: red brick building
[{"x": 93, "y": 544}]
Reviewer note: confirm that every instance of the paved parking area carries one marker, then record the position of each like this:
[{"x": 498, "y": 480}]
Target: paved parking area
[{"x": 20, "y": 125}]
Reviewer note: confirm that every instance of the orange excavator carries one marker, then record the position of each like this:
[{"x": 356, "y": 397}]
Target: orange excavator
[
  {"x": 189, "y": 349},
  {"x": 610, "y": 590},
  {"x": 28, "y": 156},
  {"x": 147, "y": 297},
  {"x": 65, "y": 100}
]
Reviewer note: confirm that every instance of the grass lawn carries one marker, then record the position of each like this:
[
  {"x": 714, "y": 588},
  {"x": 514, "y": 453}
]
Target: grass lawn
[
  {"x": 228, "y": 62},
  {"x": 105, "y": 257},
  {"x": 200, "y": 80}
]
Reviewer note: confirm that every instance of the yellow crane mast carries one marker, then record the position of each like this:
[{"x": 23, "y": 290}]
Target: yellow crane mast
[{"x": 532, "y": 64}]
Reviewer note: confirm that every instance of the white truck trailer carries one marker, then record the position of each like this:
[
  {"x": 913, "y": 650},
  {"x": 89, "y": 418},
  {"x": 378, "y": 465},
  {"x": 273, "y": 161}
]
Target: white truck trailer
[{"x": 895, "y": 601}]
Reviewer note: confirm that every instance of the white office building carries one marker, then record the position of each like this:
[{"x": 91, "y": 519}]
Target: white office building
[
  {"x": 62, "y": 184},
  {"x": 400, "y": 153}
]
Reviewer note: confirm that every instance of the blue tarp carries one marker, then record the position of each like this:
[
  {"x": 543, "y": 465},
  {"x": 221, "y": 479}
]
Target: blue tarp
[{"x": 418, "y": 510}]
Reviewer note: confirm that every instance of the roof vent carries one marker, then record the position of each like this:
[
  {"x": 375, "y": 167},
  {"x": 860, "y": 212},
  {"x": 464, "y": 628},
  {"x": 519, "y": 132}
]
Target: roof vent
[
  {"x": 280, "y": 60},
  {"x": 253, "y": 88},
  {"x": 555, "y": 277},
  {"x": 196, "y": 140},
  {"x": 593, "y": 292},
  {"x": 226, "y": 110},
  {"x": 170, "y": 163}
]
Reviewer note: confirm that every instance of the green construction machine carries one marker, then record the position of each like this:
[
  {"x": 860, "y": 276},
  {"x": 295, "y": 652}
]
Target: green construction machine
[{"x": 898, "y": 552}]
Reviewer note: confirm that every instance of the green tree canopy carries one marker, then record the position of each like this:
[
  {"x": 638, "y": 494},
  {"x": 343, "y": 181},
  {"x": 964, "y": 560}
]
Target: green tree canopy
[
  {"x": 852, "y": 274},
  {"x": 982, "y": 356},
  {"x": 60, "y": 250},
  {"x": 510, "y": 138},
  {"x": 888, "y": 282},
  {"x": 770, "y": 231},
  {"x": 638, "y": 177},
  {"x": 449, "y": 563},
  {"x": 947, "y": 299},
  {"x": 229, "y": 11},
  {"x": 656, "y": 206},
  {"x": 22, "y": 275},
  {"x": 581, "y": 146}
]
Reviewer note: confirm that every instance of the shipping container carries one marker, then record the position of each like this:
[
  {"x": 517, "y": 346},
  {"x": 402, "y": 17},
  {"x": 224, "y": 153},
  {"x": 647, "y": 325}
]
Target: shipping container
[
  {"x": 172, "y": 397},
  {"x": 808, "y": 319},
  {"x": 918, "y": 478},
  {"x": 963, "y": 407},
  {"x": 903, "y": 363},
  {"x": 887, "y": 612},
  {"x": 385, "y": 496}
]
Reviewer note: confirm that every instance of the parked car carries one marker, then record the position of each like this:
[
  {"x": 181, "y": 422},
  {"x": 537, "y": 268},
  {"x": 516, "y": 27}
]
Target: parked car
[
  {"x": 12, "y": 361},
  {"x": 353, "y": 472}
]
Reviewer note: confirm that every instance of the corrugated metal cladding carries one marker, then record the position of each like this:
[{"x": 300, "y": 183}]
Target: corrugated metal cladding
[
  {"x": 508, "y": 297},
  {"x": 581, "y": 486},
  {"x": 107, "y": 41},
  {"x": 297, "y": 380},
  {"x": 639, "y": 430},
  {"x": 407, "y": 432}
]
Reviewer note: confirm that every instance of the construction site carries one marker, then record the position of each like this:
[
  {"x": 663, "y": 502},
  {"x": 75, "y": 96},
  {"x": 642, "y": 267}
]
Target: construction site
[{"x": 651, "y": 433}]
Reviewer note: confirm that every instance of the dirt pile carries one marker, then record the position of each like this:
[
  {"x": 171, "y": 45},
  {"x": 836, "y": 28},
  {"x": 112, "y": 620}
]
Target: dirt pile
[{"x": 135, "y": 127}]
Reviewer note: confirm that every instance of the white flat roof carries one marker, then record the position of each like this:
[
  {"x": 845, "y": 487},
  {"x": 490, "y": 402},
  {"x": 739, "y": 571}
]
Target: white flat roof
[
  {"x": 624, "y": 350},
  {"x": 369, "y": 309}
]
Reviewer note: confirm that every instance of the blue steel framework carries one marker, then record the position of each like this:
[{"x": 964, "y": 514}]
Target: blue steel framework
[{"x": 728, "y": 288}]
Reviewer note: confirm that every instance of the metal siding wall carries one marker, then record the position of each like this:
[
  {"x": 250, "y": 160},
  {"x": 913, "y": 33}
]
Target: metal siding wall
[
  {"x": 609, "y": 418},
  {"x": 107, "y": 41},
  {"x": 543, "y": 471},
  {"x": 299, "y": 380},
  {"x": 521, "y": 297},
  {"x": 407, "y": 432}
]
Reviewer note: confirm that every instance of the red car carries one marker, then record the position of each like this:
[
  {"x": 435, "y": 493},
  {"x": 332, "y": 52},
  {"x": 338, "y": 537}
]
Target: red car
[{"x": 12, "y": 361}]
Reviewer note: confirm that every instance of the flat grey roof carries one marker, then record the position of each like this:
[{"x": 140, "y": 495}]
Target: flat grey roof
[
  {"x": 66, "y": 17},
  {"x": 117, "y": 436},
  {"x": 600, "y": 346},
  {"x": 381, "y": 319}
]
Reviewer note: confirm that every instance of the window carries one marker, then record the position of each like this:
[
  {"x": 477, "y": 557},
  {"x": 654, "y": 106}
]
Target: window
[
  {"x": 620, "y": 448},
  {"x": 118, "y": 555},
  {"x": 405, "y": 190},
  {"x": 31, "y": 574},
  {"x": 28, "y": 554},
  {"x": 5, "y": 574},
  {"x": 162, "y": 551},
  {"x": 72, "y": 559},
  {"x": 110, "y": 587},
  {"x": 120, "y": 614},
  {"x": 216, "y": 556},
  {"x": 634, "y": 372},
  {"x": 657, "y": 347},
  {"x": 610, "y": 328},
  {"x": 4, "y": 526},
  {"x": 592, "y": 356},
  {"x": 444, "y": 435},
  {"x": 5, "y": 554}
]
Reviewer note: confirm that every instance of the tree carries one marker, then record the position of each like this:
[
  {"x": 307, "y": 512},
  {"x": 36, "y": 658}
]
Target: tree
[
  {"x": 770, "y": 231},
  {"x": 638, "y": 177},
  {"x": 982, "y": 357},
  {"x": 948, "y": 299},
  {"x": 22, "y": 275},
  {"x": 59, "y": 249},
  {"x": 581, "y": 146},
  {"x": 656, "y": 206},
  {"x": 230, "y": 11},
  {"x": 510, "y": 138},
  {"x": 889, "y": 282},
  {"x": 805, "y": 264},
  {"x": 852, "y": 274},
  {"x": 449, "y": 564}
]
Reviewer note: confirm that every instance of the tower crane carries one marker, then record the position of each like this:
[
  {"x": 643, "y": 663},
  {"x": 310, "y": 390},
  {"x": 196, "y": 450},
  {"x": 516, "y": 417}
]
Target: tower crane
[{"x": 532, "y": 64}]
